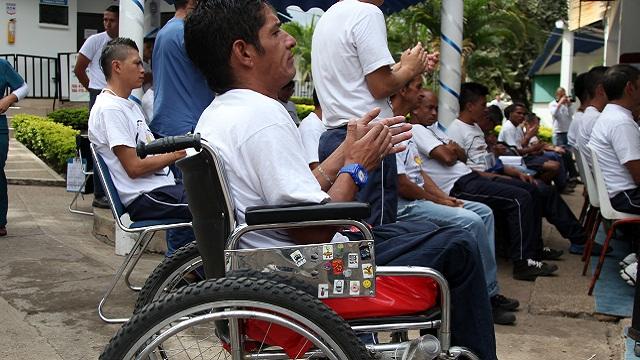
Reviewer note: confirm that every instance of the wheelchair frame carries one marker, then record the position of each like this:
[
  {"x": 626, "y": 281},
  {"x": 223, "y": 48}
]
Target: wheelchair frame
[{"x": 210, "y": 252}]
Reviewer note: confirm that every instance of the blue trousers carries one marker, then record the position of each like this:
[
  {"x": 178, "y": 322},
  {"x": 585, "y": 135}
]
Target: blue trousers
[
  {"x": 520, "y": 210},
  {"x": 454, "y": 253},
  {"x": 167, "y": 202},
  {"x": 4, "y": 199},
  {"x": 474, "y": 217}
]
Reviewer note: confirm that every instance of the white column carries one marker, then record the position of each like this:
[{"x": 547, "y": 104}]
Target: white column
[
  {"x": 566, "y": 61},
  {"x": 151, "y": 15},
  {"x": 450, "y": 60},
  {"x": 132, "y": 27}
]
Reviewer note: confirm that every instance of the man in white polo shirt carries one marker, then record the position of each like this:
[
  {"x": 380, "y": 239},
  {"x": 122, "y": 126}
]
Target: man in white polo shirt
[
  {"x": 561, "y": 112},
  {"x": 616, "y": 138},
  {"x": 597, "y": 101}
]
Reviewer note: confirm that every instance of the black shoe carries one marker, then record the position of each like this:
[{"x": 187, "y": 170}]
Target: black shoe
[
  {"x": 101, "y": 202},
  {"x": 596, "y": 249},
  {"x": 503, "y": 302},
  {"x": 550, "y": 254},
  {"x": 529, "y": 270},
  {"x": 502, "y": 316}
]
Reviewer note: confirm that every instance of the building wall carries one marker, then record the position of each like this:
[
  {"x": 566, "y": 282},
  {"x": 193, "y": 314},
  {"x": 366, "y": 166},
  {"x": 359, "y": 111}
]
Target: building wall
[{"x": 33, "y": 38}]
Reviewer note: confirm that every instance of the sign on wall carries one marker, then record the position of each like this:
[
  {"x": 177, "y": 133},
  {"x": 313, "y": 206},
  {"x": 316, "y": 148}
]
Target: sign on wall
[{"x": 77, "y": 92}]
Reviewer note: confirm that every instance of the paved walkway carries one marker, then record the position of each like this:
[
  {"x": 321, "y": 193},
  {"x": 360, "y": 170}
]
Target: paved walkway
[{"x": 53, "y": 272}]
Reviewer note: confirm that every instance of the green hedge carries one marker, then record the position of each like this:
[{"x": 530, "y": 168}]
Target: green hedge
[
  {"x": 304, "y": 110},
  {"x": 75, "y": 118},
  {"x": 52, "y": 142},
  {"x": 301, "y": 100}
]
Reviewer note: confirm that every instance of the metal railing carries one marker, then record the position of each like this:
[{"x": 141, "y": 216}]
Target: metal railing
[
  {"x": 37, "y": 71},
  {"x": 64, "y": 76},
  {"x": 303, "y": 89}
]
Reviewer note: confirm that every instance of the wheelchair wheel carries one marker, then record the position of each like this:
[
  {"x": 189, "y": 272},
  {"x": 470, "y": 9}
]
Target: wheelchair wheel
[
  {"x": 182, "y": 268},
  {"x": 236, "y": 318}
]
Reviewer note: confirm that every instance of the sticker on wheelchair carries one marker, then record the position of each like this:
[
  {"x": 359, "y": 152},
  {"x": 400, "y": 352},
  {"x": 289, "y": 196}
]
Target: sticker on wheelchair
[{"x": 335, "y": 270}]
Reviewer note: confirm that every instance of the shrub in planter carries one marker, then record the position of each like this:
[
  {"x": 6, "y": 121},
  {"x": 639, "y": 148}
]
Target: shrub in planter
[
  {"x": 75, "y": 118},
  {"x": 52, "y": 142}
]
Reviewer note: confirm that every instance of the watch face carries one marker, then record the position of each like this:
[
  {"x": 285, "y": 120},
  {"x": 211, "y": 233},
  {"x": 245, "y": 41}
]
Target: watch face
[{"x": 361, "y": 176}]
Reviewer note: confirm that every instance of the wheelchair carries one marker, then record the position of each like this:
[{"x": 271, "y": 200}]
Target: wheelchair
[{"x": 313, "y": 301}]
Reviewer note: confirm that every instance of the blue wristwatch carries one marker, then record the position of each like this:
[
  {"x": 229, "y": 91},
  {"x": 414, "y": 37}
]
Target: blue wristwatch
[{"x": 358, "y": 174}]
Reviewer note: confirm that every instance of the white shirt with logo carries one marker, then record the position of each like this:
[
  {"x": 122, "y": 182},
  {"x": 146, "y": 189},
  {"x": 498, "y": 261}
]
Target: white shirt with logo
[
  {"x": 427, "y": 139},
  {"x": 117, "y": 121}
]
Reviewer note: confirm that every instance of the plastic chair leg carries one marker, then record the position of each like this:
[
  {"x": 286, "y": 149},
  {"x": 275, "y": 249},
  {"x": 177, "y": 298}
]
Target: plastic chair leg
[
  {"x": 603, "y": 253},
  {"x": 593, "y": 231},
  {"x": 584, "y": 211},
  {"x": 114, "y": 282}
]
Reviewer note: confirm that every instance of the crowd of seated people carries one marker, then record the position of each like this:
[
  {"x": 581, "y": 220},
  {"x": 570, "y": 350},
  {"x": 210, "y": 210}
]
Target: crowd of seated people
[{"x": 435, "y": 190}]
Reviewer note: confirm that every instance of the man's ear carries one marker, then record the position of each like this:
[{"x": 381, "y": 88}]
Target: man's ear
[
  {"x": 116, "y": 67},
  {"x": 243, "y": 53}
]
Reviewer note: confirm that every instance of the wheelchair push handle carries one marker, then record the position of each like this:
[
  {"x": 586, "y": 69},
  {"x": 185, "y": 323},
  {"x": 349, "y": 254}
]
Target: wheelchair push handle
[{"x": 169, "y": 144}]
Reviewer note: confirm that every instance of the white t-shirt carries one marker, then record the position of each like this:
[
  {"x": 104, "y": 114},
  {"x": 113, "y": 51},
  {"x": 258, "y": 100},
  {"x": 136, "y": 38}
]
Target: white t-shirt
[
  {"x": 263, "y": 157},
  {"x": 147, "y": 105},
  {"x": 511, "y": 134},
  {"x": 116, "y": 121},
  {"x": 92, "y": 49},
  {"x": 427, "y": 139},
  {"x": 409, "y": 162},
  {"x": 588, "y": 120},
  {"x": 574, "y": 128},
  {"x": 349, "y": 42},
  {"x": 616, "y": 141},
  {"x": 561, "y": 117},
  {"x": 311, "y": 129},
  {"x": 471, "y": 139}
]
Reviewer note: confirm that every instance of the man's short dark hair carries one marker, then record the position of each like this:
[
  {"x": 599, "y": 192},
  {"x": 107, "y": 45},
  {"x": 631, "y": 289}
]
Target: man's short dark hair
[
  {"x": 511, "y": 108},
  {"x": 316, "y": 101},
  {"x": 616, "y": 79},
  {"x": 471, "y": 92},
  {"x": 116, "y": 49},
  {"x": 180, "y": 4},
  {"x": 580, "y": 87},
  {"x": 495, "y": 114},
  {"x": 595, "y": 76},
  {"x": 213, "y": 27},
  {"x": 113, "y": 9}
]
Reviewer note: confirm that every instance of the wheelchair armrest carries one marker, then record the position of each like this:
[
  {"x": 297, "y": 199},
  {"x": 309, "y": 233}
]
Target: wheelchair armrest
[{"x": 270, "y": 214}]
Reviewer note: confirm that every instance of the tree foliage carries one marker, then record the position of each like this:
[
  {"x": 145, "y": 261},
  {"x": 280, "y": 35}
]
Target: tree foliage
[{"x": 502, "y": 38}]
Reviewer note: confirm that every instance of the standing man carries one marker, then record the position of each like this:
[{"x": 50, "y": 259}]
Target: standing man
[
  {"x": 19, "y": 89},
  {"x": 181, "y": 91},
  {"x": 352, "y": 71},
  {"x": 560, "y": 109},
  {"x": 90, "y": 75}
]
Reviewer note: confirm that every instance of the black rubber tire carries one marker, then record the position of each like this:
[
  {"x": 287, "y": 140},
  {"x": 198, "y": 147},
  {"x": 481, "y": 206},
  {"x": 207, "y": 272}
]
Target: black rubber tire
[
  {"x": 228, "y": 289},
  {"x": 169, "y": 268}
]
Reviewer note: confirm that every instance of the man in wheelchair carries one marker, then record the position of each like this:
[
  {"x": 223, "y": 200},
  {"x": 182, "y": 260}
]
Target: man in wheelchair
[{"x": 247, "y": 58}]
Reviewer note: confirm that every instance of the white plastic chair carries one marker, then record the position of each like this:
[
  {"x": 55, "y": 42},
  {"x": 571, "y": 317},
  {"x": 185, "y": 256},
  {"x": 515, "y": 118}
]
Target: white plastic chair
[
  {"x": 592, "y": 217},
  {"x": 609, "y": 213}
]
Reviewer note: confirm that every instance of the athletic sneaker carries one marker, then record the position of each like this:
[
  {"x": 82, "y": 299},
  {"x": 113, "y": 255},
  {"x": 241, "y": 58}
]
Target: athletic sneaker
[
  {"x": 529, "y": 269},
  {"x": 502, "y": 316},
  {"x": 629, "y": 274},
  {"x": 550, "y": 254},
  {"x": 504, "y": 302},
  {"x": 628, "y": 260}
]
